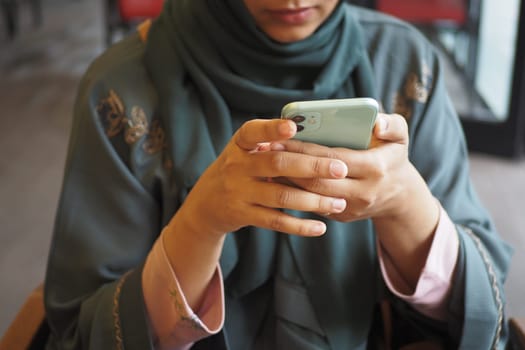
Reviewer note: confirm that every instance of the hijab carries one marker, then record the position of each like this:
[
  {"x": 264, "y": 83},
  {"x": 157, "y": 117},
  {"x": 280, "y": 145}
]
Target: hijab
[{"x": 214, "y": 69}]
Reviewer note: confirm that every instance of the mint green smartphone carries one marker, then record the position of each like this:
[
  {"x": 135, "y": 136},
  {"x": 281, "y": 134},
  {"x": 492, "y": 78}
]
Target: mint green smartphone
[{"x": 336, "y": 123}]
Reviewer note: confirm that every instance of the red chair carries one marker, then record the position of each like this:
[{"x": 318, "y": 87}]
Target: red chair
[
  {"x": 427, "y": 11},
  {"x": 459, "y": 16},
  {"x": 124, "y": 14}
]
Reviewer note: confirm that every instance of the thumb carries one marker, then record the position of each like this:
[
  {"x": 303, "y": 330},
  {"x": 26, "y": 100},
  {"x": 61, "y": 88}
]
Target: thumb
[{"x": 391, "y": 128}]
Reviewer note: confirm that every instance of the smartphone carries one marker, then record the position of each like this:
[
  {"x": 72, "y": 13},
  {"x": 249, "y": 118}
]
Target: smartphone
[{"x": 336, "y": 123}]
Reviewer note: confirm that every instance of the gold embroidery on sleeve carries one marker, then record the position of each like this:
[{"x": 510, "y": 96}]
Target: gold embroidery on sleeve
[
  {"x": 137, "y": 125},
  {"x": 119, "y": 344},
  {"x": 188, "y": 320},
  {"x": 416, "y": 90},
  {"x": 401, "y": 106},
  {"x": 155, "y": 140},
  {"x": 111, "y": 110}
]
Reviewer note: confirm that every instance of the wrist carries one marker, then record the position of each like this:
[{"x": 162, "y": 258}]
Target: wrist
[
  {"x": 406, "y": 233},
  {"x": 193, "y": 230},
  {"x": 193, "y": 255}
]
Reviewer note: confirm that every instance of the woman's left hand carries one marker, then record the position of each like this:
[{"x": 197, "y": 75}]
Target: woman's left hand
[
  {"x": 382, "y": 184},
  {"x": 378, "y": 179}
]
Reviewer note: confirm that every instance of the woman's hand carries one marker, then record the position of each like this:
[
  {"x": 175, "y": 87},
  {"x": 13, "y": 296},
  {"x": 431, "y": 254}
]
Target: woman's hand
[
  {"x": 383, "y": 185},
  {"x": 236, "y": 190},
  {"x": 376, "y": 184}
]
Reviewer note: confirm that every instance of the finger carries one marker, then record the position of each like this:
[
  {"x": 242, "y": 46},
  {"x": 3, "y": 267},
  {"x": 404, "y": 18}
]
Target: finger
[
  {"x": 331, "y": 188},
  {"x": 292, "y": 164},
  {"x": 276, "y": 195},
  {"x": 358, "y": 163},
  {"x": 276, "y": 220},
  {"x": 359, "y": 196},
  {"x": 391, "y": 127},
  {"x": 257, "y": 131}
]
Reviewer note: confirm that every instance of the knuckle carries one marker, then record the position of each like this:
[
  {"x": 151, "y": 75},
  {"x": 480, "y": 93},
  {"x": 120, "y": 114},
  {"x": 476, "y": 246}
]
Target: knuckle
[
  {"x": 284, "y": 197},
  {"x": 366, "y": 202},
  {"x": 379, "y": 168},
  {"x": 302, "y": 230},
  {"x": 332, "y": 154},
  {"x": 400, "y": 122},
  {"x": 277, "y": 222},
  {"x": 323, "y": 205},
  {"x": 382, "y": 169},
  {"x": 242, "y": 133},
  {"x": 301, "y": 147},
  {"x": 357, "y": 212},
  {"x": 229, "y": 165},
  {"x": 278, "y": 161},
  {"x": 317, "y": 166},
  {"x": 315, "y": 184}
]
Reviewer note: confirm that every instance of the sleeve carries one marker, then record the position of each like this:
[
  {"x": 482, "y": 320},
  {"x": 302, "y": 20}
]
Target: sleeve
[
  {"x": 432, "y": 292},
  {"x": 174, "y": 325},
  {"x": 438, "y": 150},
  {"x": 105, "y": 225}
]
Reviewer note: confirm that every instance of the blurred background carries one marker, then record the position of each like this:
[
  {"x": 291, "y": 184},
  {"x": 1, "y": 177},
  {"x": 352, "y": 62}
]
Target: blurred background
[{"x": 46, "y": 45}]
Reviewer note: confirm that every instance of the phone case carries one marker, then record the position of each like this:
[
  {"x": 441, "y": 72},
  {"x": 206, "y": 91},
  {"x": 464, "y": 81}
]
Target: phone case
[{"x": 335, "y": 123}]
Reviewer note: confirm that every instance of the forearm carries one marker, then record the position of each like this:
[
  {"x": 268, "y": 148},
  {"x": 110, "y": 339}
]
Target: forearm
[
  {"x": 193, "y": 256},
  {"x": 173, "y": 324},
  {"x": 407, "y": 234},
  {"x": 432, "y": 293}
]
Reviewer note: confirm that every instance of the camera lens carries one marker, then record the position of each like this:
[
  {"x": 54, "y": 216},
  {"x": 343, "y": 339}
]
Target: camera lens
[
  {"x": 298, "y": 119},
  {"x": 300, "y": 128}
]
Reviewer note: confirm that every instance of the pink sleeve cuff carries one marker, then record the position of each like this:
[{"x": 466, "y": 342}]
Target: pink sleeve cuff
[
  {"x": 433, "y": 287},
  {"x": 173, "y": 323}
]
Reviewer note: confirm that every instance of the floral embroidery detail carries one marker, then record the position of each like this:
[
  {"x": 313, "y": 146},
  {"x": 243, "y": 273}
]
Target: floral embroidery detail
[
  {"x": 155, "y": 141},
  {"x": 189, "y": 320},
  {"x": 114, "y": 118},
  {"x": 401, "y": 106},
  {"x": 416, "y": 90},
  {"x": 111, "y": 109},
  {"x": 137, "y": 125}
]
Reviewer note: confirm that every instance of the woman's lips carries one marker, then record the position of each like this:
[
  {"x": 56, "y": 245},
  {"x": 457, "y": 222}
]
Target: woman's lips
[{"x": 292, "y": 16}]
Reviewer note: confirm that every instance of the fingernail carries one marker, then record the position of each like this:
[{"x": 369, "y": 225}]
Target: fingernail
[
  {"x": 277, "y": 147},
  {"x": 287, "y": 128},
  {"x": 317, "y": 229},
  {"x": 338, "y": 169},
  {"x": 383, "y": 124},
  {"x": 263, "y": 147},
  {"x": 339, "y": 205}
]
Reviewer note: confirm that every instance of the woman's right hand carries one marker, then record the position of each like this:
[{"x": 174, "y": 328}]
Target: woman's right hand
[{"x": 237, "y": 189}]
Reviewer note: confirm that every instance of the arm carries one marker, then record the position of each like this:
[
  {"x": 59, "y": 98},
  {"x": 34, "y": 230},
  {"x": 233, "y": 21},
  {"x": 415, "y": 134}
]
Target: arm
[
  {"x": 174, "y": 325},
  {"x": 234, "y": 192},
  {"x": 93, "y": 296},
  {"x": 394, "y": 183},
  {"x": 432, "y": 292}
]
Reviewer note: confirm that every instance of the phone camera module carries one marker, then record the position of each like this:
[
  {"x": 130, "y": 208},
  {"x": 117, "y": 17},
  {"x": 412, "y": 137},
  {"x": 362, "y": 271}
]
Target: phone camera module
[
  {"x": 299, "y": 128},
  {"x": 298, "y": 119}
]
